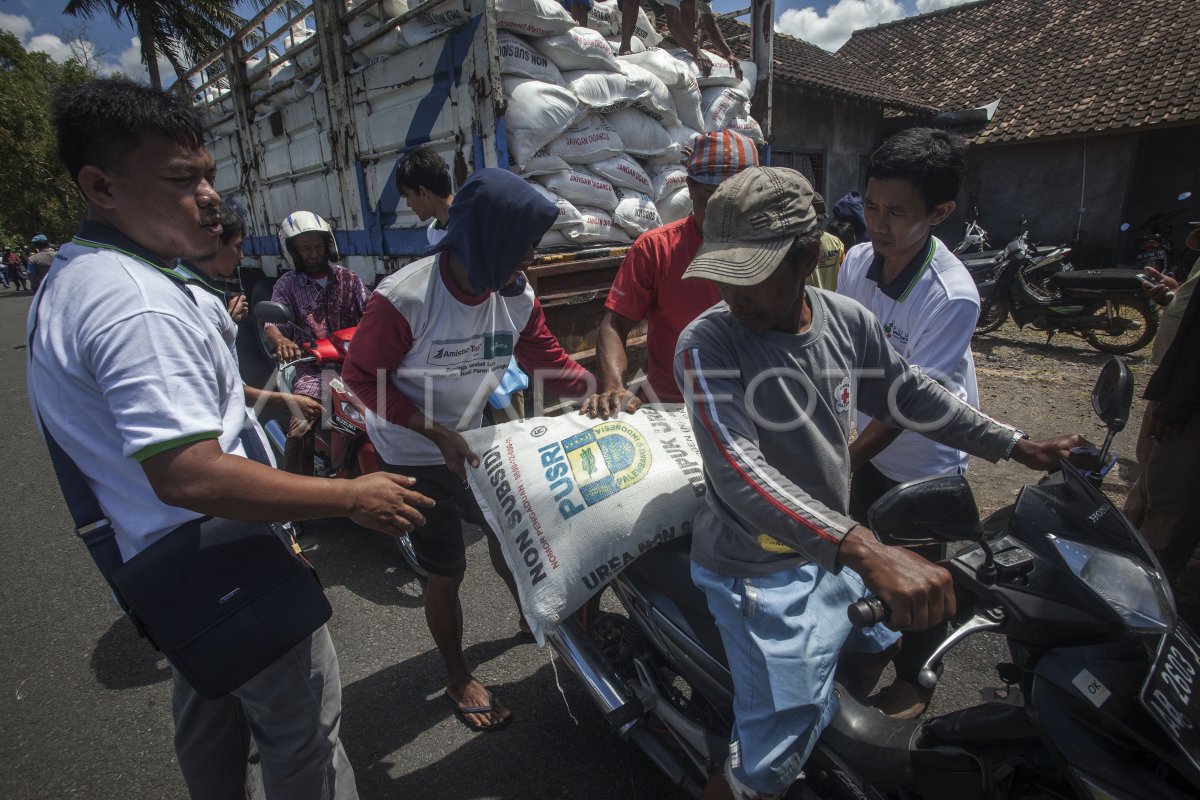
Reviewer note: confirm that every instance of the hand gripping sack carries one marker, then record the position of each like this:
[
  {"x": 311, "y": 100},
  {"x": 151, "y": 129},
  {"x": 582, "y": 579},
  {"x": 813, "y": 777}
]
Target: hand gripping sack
[
  {"x": 636, "y": 213},
  {"x": 603, "y": 92},
  {"x": 573, "y": 501},
  {"x": 581, "y": 188},
  {"x": 590, "y": 139},
  {"x": 537, "y": 113},
  {"x": 579, "y": 48},
  {"x": 518, "y": 57},
  {"x": 641, "y": 135},
  {"x": 596, "y": 226},
  {"x": 623, "y": 172},
  {"x": 533, "y": 17}
]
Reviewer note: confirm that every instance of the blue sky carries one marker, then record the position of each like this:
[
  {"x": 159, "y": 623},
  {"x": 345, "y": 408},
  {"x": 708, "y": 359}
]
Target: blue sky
[{"x": 40, "y": 25}]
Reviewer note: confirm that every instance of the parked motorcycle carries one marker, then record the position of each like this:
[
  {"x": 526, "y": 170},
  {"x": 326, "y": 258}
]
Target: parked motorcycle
[
  {"x": 1105, "y": 307},
  {"x": 1100, "y": 697},
  {"x": 1155, "y": 244},
  {"x": 974, "y": 239}
]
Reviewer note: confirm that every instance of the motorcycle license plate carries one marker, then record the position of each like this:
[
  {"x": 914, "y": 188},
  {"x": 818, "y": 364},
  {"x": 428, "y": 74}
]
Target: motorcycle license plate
[{"x": 1172, "y": 691}]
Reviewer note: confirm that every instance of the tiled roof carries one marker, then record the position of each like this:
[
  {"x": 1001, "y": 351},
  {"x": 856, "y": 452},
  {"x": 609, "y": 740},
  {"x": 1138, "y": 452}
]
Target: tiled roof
[
  {"x": 1058, "y": 67},
  {"x": 797, "y": 61}
]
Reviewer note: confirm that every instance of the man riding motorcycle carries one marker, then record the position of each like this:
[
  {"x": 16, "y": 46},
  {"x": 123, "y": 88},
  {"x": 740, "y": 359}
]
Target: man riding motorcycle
[{"x": 323, "y": 297}]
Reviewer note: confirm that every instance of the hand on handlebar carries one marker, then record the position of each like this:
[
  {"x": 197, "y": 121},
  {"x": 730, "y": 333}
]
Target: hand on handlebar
[
  {"x": 287, "y": 350},
  {"x": 1046, "y": 454},
  {"x": 919, "y": 593}
]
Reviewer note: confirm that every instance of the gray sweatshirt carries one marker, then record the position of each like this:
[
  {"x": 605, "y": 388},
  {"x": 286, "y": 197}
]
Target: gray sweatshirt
[{"x": 771, "y": 414}]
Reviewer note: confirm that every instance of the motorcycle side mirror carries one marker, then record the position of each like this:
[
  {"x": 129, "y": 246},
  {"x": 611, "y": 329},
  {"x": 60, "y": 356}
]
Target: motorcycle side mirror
[
  {"x": 270, "y": 311},
  {"x": 924, "y": 511},
  {"x": 1185, "y": 195},
  {"x": 1112, "y": 396}
]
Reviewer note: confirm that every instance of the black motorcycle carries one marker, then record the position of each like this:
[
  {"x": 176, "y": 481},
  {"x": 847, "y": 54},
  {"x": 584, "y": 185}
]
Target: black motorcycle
[
  {"x": 1035, "y": 286},
  {"x": 1101, "y": 698}
]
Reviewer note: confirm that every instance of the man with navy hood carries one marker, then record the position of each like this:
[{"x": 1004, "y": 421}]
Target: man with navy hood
[{"x": 434, "y": 341}]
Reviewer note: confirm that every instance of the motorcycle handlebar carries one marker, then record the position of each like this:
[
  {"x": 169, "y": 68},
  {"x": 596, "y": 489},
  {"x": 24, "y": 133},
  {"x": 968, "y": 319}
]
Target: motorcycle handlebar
[{"x": 868, "y": 612}]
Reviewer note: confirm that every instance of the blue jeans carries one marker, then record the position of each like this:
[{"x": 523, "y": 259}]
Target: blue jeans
[{"x": 782, "y": 635}]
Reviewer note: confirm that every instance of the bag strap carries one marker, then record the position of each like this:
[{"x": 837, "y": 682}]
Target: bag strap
[{"x": 92, "y": 525}]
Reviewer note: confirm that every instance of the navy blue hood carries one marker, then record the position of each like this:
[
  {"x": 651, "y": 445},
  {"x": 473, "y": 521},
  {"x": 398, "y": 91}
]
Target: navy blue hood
[
  {"x": 494, "y": 219},
  {"x": 849, "y": 208}
]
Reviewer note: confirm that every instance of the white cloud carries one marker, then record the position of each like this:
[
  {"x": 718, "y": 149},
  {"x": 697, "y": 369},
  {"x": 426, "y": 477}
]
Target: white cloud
[
  {"x": 129, "y": 62},
  {"x": 934, "y": 5},
  {"x": 18, "y": 26},
  {"x": 51, "y": 45},
  {"x": 840, "y": 20}
]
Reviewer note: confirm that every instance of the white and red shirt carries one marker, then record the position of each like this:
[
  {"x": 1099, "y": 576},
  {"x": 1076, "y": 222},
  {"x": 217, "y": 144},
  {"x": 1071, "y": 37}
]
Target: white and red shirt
[{"x": 423, "y": 345}]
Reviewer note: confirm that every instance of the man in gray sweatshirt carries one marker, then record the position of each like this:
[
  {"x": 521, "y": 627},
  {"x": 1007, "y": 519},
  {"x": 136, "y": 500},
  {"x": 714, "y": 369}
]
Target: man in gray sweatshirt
[{"x": 769, "y": 377}]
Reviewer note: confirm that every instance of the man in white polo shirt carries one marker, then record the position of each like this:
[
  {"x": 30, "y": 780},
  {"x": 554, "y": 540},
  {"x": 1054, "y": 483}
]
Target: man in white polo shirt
[
  {"x": 928, "y": 305},
  {"x": 140, "y": 390}
]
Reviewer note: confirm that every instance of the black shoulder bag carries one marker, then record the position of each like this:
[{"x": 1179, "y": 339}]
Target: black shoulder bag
[{"x": 221, "y": 599}]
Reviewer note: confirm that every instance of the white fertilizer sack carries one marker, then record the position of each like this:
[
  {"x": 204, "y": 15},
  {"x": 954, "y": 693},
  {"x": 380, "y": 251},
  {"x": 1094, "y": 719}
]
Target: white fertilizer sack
[
  {"x": 567, "y": 213},
  {"x": 636, "y": 213},
  {"x": 581, "y": 188},
  {"x": 722, "y": 73},
  {"x": 722, "y": 105},
  {"x": 573, "y": 501},
  {"x": 518, "y": 58},
  {"x": 540, "y": 163},
  {"x": 656, "y": 101},
  {"x": 641, "y": 135},
  {"x": 590, "y": 139},
  {"x": 533, "y": 17},
  {"x": 604, "y": 92},
  {"x": 643, "y": 29},
  {"x": 595, "y": 227},
  {"x": 579, "y": 48},
  {"x": 674, "y": 206},
  {"x": 538, "y": 112},
  {"x": 603, "y": 17},
  {"x": 623, "y": 172},
  {"x": 666, "y": 180}
]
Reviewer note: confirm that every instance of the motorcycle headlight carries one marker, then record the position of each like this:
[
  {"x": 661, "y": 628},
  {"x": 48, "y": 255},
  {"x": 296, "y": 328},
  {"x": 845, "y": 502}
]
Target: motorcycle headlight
[
  {"x": 352, "y": 413},
  {"x": 1129, "y": 588}
]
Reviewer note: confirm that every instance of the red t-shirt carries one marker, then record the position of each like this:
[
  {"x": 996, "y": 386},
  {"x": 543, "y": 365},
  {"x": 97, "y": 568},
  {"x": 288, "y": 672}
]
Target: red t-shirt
[{"x": 650, "y": 286}]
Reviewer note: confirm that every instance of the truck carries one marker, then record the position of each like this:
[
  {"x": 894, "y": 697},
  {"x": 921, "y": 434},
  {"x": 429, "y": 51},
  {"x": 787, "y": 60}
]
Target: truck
[{"x": 312, "y": 107}]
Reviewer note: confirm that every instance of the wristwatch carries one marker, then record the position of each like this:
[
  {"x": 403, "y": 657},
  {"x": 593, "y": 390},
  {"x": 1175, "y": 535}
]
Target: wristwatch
[{"x": 1017, "y": 436}]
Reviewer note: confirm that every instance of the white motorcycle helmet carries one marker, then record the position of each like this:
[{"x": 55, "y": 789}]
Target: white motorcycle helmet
[{"x": 301, "y": 222}]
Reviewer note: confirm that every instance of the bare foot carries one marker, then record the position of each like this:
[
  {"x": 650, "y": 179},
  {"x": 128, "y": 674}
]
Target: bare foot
[{"x": 478, "y": 708}]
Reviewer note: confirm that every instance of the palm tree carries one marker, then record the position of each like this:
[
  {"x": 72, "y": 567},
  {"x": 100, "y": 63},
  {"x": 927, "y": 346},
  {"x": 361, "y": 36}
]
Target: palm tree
[{"x": 169, "y": 27}]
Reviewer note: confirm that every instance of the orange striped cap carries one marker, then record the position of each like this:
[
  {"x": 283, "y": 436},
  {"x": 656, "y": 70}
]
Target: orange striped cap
[{"x": 720, "y": 155}]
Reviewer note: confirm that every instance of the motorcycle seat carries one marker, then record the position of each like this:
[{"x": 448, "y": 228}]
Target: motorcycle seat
[
  {"x": 668, "y": 569},
  {"x": 1097, "y": 280}
]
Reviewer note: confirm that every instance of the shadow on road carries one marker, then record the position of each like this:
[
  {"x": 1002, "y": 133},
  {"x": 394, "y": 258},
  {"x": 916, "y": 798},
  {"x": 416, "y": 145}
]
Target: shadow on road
[
  {"x": 1062, "y": 345},
  {"x": 124, "y": 660}
]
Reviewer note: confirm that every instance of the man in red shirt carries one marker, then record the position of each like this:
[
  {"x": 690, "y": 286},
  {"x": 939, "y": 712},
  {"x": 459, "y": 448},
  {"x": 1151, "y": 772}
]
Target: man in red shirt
[{"x": 650, "y": 285}]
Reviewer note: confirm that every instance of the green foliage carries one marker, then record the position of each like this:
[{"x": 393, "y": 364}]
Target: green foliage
[{"x": 38, "y": 194}]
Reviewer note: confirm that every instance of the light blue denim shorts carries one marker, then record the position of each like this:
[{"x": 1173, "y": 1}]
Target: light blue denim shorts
[{"x": 782, "y": 635}]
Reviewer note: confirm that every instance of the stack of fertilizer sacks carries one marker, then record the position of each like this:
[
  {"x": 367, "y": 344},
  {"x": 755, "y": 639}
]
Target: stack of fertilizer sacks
[{"x": 603, "y": 136}]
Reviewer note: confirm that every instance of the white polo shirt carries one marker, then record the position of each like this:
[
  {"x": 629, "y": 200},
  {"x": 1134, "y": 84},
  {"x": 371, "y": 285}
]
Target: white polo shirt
[
  {"x": 928, "y": 314},
  {"x": 123, "y": 366}
]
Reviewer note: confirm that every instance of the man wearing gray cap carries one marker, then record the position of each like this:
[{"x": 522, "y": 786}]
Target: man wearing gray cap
[{"x": 769, "y": 377}]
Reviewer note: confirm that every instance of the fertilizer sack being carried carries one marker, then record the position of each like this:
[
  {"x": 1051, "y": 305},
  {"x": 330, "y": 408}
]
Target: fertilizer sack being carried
[
  {"x": 573, "y": 501},
  {"x": 533, "y": 17}
]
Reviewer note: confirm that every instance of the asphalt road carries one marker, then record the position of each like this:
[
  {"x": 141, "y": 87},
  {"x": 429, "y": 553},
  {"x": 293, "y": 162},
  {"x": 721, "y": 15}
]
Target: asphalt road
[{"x": 84, "y": 703}]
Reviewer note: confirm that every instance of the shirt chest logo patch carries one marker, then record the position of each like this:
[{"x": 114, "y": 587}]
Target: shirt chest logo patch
[
  {"x": 841, "y": 396},
  {"x": 892, "y": 331},
  {"x": 455, "y": 352}
]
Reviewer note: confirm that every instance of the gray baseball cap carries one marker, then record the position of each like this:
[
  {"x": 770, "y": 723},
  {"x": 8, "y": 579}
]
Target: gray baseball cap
[{"x": 751, "y": 222}]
